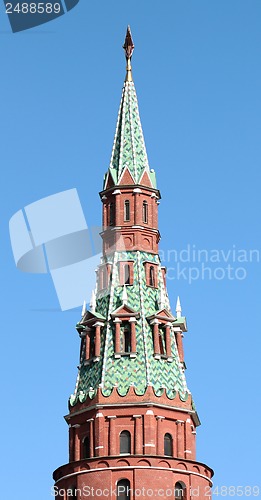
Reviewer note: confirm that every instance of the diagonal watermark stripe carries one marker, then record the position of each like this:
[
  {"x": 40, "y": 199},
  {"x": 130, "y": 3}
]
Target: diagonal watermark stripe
[
  {"x": 24, "y": 15},
  {"x": 52, "y": 236}
]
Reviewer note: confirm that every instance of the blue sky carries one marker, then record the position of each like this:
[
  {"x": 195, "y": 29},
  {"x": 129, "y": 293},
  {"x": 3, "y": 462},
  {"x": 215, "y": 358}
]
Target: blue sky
[{"x": 197, "y": 73}]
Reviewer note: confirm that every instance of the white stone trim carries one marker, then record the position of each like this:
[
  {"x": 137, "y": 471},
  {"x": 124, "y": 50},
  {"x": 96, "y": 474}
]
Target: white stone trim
[{"x": 131, "y": 467}]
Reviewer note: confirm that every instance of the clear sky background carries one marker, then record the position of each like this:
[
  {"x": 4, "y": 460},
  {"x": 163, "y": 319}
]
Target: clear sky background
[{"x": 197, "y": 73}]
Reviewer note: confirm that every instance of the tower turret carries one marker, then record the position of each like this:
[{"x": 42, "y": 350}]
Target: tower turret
[{"x": 132, "y": 420}]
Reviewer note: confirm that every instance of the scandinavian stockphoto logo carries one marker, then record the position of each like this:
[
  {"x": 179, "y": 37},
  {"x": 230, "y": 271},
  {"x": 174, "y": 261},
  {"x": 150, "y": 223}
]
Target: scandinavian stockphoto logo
[
  {"x": 52, "y": 236},
  {"x": 31, "y": 13},
  {"x": 207, "y": 264}
]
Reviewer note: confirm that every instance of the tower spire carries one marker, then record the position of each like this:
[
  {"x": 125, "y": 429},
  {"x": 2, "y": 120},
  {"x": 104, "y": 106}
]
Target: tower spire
[
  {"x": 129, "y": 155},
  {"x": 131, "y": 395},
  {"x": 128, "y": 48}
]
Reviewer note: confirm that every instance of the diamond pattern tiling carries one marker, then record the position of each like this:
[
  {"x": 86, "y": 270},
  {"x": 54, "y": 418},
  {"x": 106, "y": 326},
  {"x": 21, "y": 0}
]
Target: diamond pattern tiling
[{"x": 129, "y": 148}]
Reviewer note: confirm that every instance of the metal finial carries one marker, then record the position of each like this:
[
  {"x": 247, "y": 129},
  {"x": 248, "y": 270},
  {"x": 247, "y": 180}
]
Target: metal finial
[
  {"x": 128, "y": 48},
  {"x": 128, "y": 44}
]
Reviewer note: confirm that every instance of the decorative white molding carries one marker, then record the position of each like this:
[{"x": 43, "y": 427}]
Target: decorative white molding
[
  {"x": 130, "y": 467},
  {"x": 154, "y": 321},
  {"x": 117, "y": 320}
]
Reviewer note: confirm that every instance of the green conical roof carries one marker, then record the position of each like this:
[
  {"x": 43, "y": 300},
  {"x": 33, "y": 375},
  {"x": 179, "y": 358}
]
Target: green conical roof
[{"x": 129, "y": 149}]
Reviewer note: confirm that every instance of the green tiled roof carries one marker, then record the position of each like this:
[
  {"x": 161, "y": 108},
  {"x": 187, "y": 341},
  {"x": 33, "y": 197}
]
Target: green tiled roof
[
  {"x": 129, "y": 149},
  {"x": 144, "y": 370}
]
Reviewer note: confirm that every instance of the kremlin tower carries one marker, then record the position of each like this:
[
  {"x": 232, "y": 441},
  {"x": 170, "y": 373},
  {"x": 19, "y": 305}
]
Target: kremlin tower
[{"x": 132, "y": 420}]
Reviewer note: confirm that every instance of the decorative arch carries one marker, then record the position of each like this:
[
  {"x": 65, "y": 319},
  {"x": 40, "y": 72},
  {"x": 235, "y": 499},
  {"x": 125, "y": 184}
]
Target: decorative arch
[
  {"x": 144, "y": 462},
  {"x": 123, "y": 462},
  {"x": 103, "y": 464},
  {"x": 164, "y": 463},
  {"x": 182, "y": 466}
]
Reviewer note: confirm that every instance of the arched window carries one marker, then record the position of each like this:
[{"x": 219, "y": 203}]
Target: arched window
[
  {"x": 152, "y": 276},
  {"x": 126, "y": 210},
  {"x": 180, "y": 491},
  {"x": 126, "y": 274},
  {"x": 112, "y": 214},
  {"x": 126, "y": 337},
  {"x": 162, "y": 342},
  {"x": 125, "y": 442},
  {"x": 92, "y": 342},
  {"x": 123, "y": 489},
  {"x": 168, "y": 445},
  {"x": 86, "y": 447},
  {"x": 151, "y": 273},
  {"x": 145, "y": 212}
]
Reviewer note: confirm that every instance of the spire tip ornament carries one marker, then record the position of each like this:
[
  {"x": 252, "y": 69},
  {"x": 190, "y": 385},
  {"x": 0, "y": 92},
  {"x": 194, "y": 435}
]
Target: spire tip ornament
[{"x": 128, "y": 48}]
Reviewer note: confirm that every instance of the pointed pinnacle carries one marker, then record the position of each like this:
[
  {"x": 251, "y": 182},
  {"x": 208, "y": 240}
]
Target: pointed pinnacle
[
  {"x": 124, "y": 295},
  {"x": 93, "y": 302},
  {"x": 83, "y": 308},
  {"x": 128, "y": 47},
  {"x": 162, "y": 298},
  {"x": 178, "y": 308}
]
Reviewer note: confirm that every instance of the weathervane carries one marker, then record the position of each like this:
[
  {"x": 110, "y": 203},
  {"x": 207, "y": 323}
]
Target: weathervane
[{"x": 128, "y": 47}]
